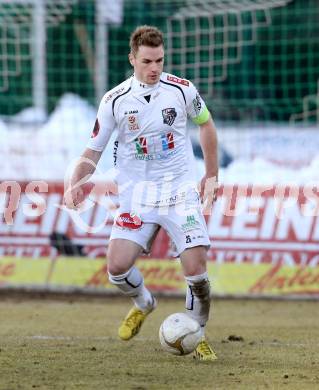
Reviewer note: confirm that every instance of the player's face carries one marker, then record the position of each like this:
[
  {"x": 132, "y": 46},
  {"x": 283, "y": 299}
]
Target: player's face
[{"x": 148, "y": 63}]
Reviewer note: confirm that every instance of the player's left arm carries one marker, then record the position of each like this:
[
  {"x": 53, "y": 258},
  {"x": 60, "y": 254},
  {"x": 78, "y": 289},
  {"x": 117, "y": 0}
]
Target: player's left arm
[
  {"x": 209, "y": 145},
  {"x": 197, "y": 110}
]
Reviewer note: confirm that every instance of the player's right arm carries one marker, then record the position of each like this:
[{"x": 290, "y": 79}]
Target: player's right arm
[{"x": 86, "y": 165}]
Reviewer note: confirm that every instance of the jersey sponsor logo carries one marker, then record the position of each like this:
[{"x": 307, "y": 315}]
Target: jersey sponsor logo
[
  {"x": 156, "y": 156},
  {"x": 155, "y": 148},
  {"x": 197, "y": 104},
  {"x": 96, "y": 129},
  {"x": 113, "y": 94},
  {"x": 129, "y": 221},
  {"x": 141, "y": 145},
  {"x": 167, "y": 141},
  {"x": 177, "y": 80},
  {"x": 169, "y": 115},
  {"x": 132, "y": 123}
]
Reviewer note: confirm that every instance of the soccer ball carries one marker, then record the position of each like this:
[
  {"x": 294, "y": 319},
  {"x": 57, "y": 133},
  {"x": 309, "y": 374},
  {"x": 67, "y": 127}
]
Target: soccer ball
[{"x": 179, "y": 334}]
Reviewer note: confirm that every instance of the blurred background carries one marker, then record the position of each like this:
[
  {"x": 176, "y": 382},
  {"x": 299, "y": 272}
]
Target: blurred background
[{"x": 255, "y": 63}]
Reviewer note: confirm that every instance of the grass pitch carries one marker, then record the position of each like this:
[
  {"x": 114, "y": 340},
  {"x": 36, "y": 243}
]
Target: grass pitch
[{"x": 72, "y": 344}]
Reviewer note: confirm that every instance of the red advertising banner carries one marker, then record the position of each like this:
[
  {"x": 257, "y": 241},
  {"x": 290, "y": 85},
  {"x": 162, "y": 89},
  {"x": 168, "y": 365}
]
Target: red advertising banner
[{"x": 274, "y": 224}]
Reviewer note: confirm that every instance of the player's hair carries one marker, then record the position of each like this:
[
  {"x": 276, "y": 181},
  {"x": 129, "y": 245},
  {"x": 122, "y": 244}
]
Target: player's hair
[{"x": 146, "y": 36}]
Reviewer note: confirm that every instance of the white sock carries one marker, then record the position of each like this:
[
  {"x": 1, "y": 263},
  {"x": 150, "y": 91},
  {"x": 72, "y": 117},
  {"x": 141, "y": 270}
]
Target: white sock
[
  {"x": 198, "y": 297},
  {"x": 132, "y": 284},
  {"x": 144, "y": 300}
]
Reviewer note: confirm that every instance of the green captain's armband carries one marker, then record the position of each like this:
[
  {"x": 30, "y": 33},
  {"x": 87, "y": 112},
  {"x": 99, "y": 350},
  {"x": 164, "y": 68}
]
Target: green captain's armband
[{"x": 202, "y": 118}]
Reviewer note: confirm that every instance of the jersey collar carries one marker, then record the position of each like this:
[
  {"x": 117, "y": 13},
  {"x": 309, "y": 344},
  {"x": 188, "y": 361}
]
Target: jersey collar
[{"x": 142, "y": 89}]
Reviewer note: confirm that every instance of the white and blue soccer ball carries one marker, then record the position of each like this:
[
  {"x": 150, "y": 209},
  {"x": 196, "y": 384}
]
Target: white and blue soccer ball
[{"x": 179, "y": 334}]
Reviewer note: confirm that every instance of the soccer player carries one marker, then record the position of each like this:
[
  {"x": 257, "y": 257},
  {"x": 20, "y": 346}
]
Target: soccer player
[{"x": 157, "y": 186}]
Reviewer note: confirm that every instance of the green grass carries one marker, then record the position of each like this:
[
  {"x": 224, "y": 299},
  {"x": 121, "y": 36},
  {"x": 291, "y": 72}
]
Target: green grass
[{"x": 73, "y": 344}]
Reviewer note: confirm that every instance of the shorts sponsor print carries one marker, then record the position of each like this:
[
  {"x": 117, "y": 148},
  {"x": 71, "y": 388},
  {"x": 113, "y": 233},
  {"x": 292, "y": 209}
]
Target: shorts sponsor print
[
  {"x": 191, "y": 223},
  {"x": 129, "y": 221}
]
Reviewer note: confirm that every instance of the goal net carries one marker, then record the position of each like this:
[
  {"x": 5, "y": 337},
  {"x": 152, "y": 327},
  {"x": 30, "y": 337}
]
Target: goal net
[{"x": 252, "y": 60}]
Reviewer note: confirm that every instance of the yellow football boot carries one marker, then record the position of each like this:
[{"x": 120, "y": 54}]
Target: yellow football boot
[
  {"x": 204, "y": 351},
  {"x": 132, "y": 323}
]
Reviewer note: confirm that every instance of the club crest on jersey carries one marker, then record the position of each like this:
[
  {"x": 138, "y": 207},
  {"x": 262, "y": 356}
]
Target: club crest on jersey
[
  {"x": 132, "y": 123},
  {"x": 169, "y": 115},
  {"x": 96, "y": 129}
]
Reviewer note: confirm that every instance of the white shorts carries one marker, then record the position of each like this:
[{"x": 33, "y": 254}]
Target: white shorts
[{"x": 184, "y": 223}]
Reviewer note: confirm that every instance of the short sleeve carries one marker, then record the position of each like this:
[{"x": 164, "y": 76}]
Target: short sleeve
[
  {"x": 103, "y": 127},
  {"x": 195, "y": 105}
]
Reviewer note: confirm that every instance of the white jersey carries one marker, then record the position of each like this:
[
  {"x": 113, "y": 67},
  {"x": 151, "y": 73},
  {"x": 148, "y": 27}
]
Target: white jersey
[{"x": 152, "y": 146}]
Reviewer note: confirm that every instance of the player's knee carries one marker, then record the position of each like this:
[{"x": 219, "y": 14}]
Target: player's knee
[
  {"x": 195, "y": 270},
  {"x": 116, "y": 267},
  {"x": 118, "y": 263},
  {"x": 194, "y": 261},
  {"x": 196, "y": 267}
]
